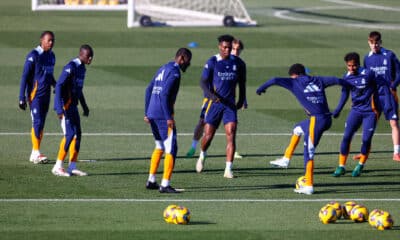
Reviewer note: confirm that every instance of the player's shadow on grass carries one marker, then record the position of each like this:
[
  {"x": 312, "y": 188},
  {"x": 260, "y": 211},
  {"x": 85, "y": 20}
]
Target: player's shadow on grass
[{"x": 201, "y": 223}]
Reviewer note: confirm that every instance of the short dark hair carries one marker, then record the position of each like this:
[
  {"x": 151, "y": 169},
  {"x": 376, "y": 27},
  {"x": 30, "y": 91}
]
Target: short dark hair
[
  {"x": 225, "y": 38},
  {"x": 352, "y": 56},
  {"x": 88, "y": 48},
  {"x": 238, "y": 41},
  {"x": 184, "y": 52},
  {"x": 44, "y": 33},
  {"x": 297, "y": 69},
  {"x": 375, "y": 35}
]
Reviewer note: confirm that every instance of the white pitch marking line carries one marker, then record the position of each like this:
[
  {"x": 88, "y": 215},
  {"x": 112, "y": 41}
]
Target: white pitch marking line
[
  {"x": 179, "y": 134},
  {"x": 196, "y": 200}
]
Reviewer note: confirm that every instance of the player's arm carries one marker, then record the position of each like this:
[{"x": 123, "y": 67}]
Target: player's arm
[
  {"x": 396, "y": 70},
  {"x": 147, "y": 97},
  {"x": 62, "y": 80},
  {"x": 242, "y": 87},
  {"x": 84, "y": 105},
  {"x": 206, "y": 80},
  {"x": 381, "y": 83},
  {"x": 26, "y": 79},
  {"x": 172, "y": 80},
  {"x": 283, "y": 82},
  {"x": 342, "y": 101}
]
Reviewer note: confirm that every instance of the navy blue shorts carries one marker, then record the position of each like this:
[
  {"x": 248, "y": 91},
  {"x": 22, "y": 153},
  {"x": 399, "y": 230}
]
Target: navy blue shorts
[{"x": 219, "y": 111}]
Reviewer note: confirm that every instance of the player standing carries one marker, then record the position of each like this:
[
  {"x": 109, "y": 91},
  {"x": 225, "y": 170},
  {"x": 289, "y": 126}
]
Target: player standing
[
  {"x": 160, "y": 98},
  {"x": 68, "y": 93},
  {"x": 365, "y": 110},
  {"x": 35, "y": 89},
  {"x": 223, "y": 72},
  {"x": 237, "y": 48},
  {"x": 385, "y": 64},
  {"x": 310, "y": 92}
]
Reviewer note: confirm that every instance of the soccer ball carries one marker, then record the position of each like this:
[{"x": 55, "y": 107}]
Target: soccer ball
[
  {"x": 176, "y": 214},
  {"x": 384, "y": 221},
  {"x": 169, "y": 213},
  {"x": 327, "y": 214},
  {"x": 300, "y": 182},
  {"x": 182, "y": 215},
  {"x": 338, "y": 208},
  {"x": 372, "y": 217},
  {"x": 359, "y": 213},
  {"x": 347, "y": 209}
]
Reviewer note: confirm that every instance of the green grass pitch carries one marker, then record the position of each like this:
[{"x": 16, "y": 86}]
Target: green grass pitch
[{"x": 112, "y": 203}]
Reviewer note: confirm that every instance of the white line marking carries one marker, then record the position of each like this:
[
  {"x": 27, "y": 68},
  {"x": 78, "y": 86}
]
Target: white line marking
[
  {"x": 179, "y": 134},
  {"x": 284, "y": 14},
  {"x": 198, "y": 200}
]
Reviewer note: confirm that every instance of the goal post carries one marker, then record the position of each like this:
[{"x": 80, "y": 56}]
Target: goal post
[
  {"x": 79, "y": 5},
  {"x": 188, "y": 13}
]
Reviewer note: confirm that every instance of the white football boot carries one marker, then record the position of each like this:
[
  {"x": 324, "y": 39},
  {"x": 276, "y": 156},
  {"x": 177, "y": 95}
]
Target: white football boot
[
  {"x": 200, "y": 162},
  {"x": 308, "y": 190},
  {"x": 77, "y": 172},
  {"x": 280, "y": 162},
  {"x": 38, "y": 158},
  {"x": 59, "y": 171},
  {"x": 228, "y": 173}
]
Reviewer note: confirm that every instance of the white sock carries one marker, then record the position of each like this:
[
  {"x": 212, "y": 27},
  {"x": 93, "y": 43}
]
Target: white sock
[
  {"x": 228, "y": 165},
  {"x": 396, "y": 149},
  {"x": 35, "y": 152},
  {"x": 164, "y": 183},
  {"x": 59, "y": 164},
  {"x": 203, "y": 154},
  {"x": 152, "y": 178}
]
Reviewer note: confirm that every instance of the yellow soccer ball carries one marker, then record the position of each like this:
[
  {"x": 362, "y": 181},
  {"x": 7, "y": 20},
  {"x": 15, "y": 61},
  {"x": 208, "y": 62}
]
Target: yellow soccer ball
[
  {"x": 169, "y": 213},
  {"x": 347, "y": 209},
  {"x": 338, "y": 208},
  {"x": 327, "y": 214},
  {"x": 384, "y": 221},
  {"x": 182, "y": 215},
  {"x": 300, "y": 182},
  {"x": 359, "y": 213},
  {"x": 372, "y": 217}
]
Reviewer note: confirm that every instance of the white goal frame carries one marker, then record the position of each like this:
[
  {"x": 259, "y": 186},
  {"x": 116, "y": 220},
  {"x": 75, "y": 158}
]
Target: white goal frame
[
  {"x": 36, "y": 6},
  {"x": 185, "y": 17}
]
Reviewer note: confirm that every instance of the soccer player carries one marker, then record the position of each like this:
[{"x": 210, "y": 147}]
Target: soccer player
[
  {"x": 365, "y": 110},
  {"x": 223, "y": 72},
  {"x": 160, "y": 98},
  {"x": 35, "y": 89},
  {"x": 385, "y": 64},
  {"x": 310, "y": 92},
  {"x": 237, "y": 48},
  {"x": 68, "y": 93}
]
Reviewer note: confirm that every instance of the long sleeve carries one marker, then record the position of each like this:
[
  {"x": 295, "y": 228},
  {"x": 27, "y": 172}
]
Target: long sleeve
[
  {"x": 147, "y": 97},
  {"x": 342, "y": 101},
  {"x": 58, "y": 102},
  {"x": 27, "y": 76}
]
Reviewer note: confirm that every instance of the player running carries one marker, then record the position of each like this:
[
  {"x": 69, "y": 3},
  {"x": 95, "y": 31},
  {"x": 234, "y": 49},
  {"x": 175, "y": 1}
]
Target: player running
[
  {"x": 160, "y": 98},
  {"x": 35, "y": 89},
  {"x": 223, "y": 72},
  {"x": 365, "y": 110},
  {"x": 310, "y": 92},
  {"x": 68, "y": 94},
  {"x": 237, "y": 48}
]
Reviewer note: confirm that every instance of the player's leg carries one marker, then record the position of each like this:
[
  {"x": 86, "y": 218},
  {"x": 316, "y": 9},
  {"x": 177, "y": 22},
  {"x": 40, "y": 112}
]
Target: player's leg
[
  {"x": 68, "y": 131},
  {"x": 213, "y": 117},
  {"x": 394, "y": 124},
  {"x": 155, "y": 156},
  {"x": 284, "y": 161},
  {"x": 171, "y": 147},
  {"x": 38, "y": 114},
  {"x": 230, "y": 132},
  {"x": 75, "y": 147},
  {"x": 369, "y": 125},
  {"x": 198, "y": 130},
  {"x": 353, "y": 123}
]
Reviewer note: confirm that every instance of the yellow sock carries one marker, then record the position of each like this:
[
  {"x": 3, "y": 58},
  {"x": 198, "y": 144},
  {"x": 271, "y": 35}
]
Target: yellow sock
[
  {"x": 35, "y": 141},
  {"x": 363, "y": 159},
  {"x": 73, "y": 154},
  {"x": 294, "y": 140},
  {"x": 61, "y": 152},
  {"x": 342, "y": 159},
  {"x": 155, "y": 160},
  {"x": 310, "y": 173},
  {"x": 169, "y": 162}
]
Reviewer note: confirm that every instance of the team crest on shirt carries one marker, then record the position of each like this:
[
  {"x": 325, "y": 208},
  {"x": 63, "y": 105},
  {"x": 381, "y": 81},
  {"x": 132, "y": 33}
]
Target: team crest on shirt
[
  {"x": 384, "y": 61},
  {"x": 234, "y": 67}
]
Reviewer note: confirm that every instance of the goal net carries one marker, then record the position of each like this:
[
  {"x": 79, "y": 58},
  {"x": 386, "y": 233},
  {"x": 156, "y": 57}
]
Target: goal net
[
  {"x": 76, "y": 5},
  {"x": 188, "y": 13}
]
